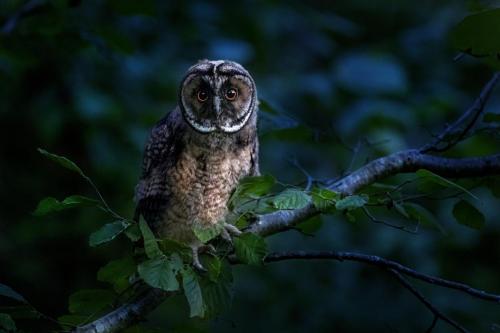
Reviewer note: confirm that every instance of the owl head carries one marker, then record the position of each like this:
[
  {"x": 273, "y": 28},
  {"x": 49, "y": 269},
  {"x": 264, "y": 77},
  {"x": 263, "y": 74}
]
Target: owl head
[{"x": 217, "y": 96}]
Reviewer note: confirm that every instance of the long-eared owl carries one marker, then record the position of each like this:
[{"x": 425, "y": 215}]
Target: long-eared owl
[{"x": 196, "y": 154}]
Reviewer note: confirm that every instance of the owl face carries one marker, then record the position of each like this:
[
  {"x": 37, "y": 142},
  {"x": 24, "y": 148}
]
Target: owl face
[{"x": 217, "y": 96}]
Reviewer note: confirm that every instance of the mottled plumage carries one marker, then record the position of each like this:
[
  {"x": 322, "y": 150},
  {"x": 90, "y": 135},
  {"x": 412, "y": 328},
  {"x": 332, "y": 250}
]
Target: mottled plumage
[{"x": 196, "y": 155}]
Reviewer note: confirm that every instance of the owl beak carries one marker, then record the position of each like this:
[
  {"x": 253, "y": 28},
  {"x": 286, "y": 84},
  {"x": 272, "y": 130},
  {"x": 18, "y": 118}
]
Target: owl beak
[{"x": 217, "y": 107}]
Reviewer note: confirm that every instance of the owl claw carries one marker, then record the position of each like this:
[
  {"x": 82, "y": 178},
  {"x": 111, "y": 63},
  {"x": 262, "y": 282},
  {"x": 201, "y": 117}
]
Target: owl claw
[
  {"x": 197, "y": 250},
  {"x": 228, "y": 231}
]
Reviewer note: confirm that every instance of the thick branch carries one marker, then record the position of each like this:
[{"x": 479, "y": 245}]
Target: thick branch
[
  {"x": 127, "y": 314},
  {"x": 400, "y": 162}
]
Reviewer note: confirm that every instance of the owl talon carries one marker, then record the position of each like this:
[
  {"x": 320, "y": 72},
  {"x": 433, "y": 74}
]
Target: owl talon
[
  {"x": 197, "y": 250},
  {"x": 232, "y": 230},
  {"x": 228, "y": 231}
]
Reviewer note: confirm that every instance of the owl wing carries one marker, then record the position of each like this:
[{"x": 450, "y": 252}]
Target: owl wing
[{"x": 162, "y": 148}]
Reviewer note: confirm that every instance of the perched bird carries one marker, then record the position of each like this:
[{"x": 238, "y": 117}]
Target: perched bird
[{"x": 196, "y": 154}]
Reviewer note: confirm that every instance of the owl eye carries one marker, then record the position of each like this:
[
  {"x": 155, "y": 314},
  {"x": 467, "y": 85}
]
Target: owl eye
[
  {"x": 231, "y": 94},
  {"x": 202, "y": 95}
]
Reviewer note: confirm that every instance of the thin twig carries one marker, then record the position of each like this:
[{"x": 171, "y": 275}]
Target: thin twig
[
  {"x": 473, "y": 112},
  {"x": 427, "y": 304},
  {"x": 388, "y": 224}
]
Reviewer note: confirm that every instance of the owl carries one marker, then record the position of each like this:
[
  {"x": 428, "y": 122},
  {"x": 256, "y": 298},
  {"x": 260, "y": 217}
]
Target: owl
[{"x": 196, "y": 155}]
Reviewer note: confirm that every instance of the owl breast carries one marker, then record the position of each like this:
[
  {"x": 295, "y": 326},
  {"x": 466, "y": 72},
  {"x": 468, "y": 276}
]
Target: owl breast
[{"x": 200, "y": 185}]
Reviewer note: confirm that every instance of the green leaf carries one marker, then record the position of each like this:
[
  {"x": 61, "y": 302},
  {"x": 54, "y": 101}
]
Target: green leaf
[
  {"x": 352, "y": 202},
  {"x": 213, "y": 265},
  {"x": 107, "y": 233},
  {"x": 192, "y": 291},
  {"x": 422, "y": 215},
  {"x": 51, "y": 205},
  {"x": 432, "y": 177},
  {"x": 68, "y": 322},
  {"x": 7, "y": 323},
  {"x": 62, "y": 161},
  {"x": 90, "y": 301},
  {"x": 205, "y": 234},
  {"x": 468, "y": 215},
  {"x": 477, "y": 34},
  {"x": 117, "y": 273},
  {"x": 494, "y": 185},
  {"x": 291, "y": 199},
  {"x": 254, "y": 187},
  {"x": 141, "y": 329},
  {"x": 250, "y": 248},
  {"x": 491, "y": 117},
  {"x": 311, "y": 225},
  {"x": 133, "y": 232},
  {"x": 323, "y": 199},
  {"x": 7, "y": 291},
  {"x": 161, "y": 272},
  {"x": 217, "y": 296},
  {"x": 401, "y": 209},
  {"x": 150, "y": 243}
]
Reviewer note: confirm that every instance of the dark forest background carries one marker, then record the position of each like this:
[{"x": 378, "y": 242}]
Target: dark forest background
[{"x": 342, "y": 83}]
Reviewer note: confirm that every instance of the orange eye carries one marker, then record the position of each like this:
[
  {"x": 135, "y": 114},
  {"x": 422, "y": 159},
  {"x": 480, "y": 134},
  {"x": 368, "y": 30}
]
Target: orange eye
[
  {"x": 231, "y": 94},
  {"x": 202, "y": 95}
]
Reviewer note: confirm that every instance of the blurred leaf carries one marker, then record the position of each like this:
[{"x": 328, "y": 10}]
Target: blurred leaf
[
  {"x": 143, "y": 7},
  {"x": 477, "y": 34},
  {"x": 161, "y": 272},
  {"x": 170, "y": 246},
  {"x": 352, "y": 202},
  {"x": 432, "y": 177},
  {"x": 250, "y": 248},
  {"x": 491, "y": 118},
  {"x": 298, "y": 133},
  {"x": 7, "y": 323},
  {"x": 207, "y": 233},
  {"x": 10, "y": 293},
  {"x": 192, "y": 291},
  {"x": 117, "y": 273},
  {"x": 62, "y": 161},
  {"x": 217, "y": 296},
  {"x": 213, "y": 266},
  {"x": 311, "y": 225},
  {"x": 324, "y": 199},
  {"x": 51, "y": 205},
  {"x": 133, "y": 232},
  {"x": 291, "y": 199},
  {"x": 494, "y": 185},
  {"x": 369, "y": 74},
  {"x": 141, "y": 329},
  {"x": 150, "y": 243},
  {"x": 68, "y": 322},
  {"x": 254, "y": 187},
  {"x": 422, "y": 215},
  {"x": 468, "y": 215},
  {"x": 107, "y": 233},
  {"x": 401, "y": 209},
  {"x": 90, "y": 301}
]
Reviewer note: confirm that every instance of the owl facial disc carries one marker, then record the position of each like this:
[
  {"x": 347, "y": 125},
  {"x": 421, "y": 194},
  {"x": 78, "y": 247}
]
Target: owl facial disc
[{"x": 217, "y": 96}]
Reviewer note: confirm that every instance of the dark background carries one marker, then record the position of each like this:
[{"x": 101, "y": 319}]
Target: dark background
[{"x": 88, "y": 79}]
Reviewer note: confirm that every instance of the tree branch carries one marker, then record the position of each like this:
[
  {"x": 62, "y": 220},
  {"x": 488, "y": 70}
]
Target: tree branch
[
  {"x": 127, "y": 314},
  {"x": 472, "y": 113},
  {"x": 437, "y": 314},
  {"x": 400, "y": 162},
  {"x": 385, "y": 264}
]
